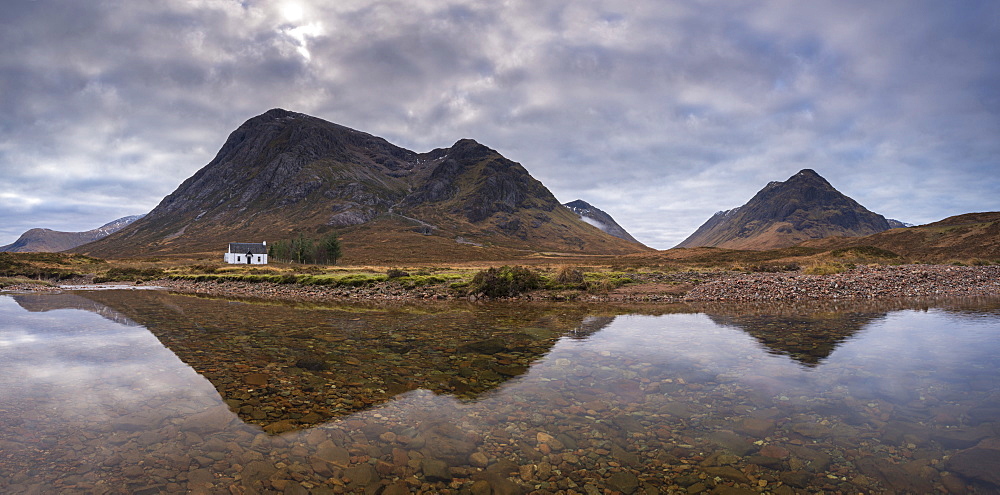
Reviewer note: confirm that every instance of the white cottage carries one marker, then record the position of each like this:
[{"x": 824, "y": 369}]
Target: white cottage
[{"x": 247, "y": 253}]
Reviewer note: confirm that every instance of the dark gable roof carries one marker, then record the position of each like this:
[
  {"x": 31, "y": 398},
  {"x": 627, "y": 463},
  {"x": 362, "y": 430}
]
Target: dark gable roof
[{"x": 244, "y": 247}]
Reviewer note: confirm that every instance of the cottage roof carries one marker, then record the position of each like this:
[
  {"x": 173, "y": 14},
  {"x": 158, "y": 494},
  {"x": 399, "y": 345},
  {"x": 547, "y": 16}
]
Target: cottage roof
[{"x": 248, "y": 247}]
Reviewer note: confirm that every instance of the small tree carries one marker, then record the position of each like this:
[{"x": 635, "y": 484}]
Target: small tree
[
  {"x": 301, "y": 249},
  {"x": 330, "y": 247},
  {"x": 305, "y": 250}
]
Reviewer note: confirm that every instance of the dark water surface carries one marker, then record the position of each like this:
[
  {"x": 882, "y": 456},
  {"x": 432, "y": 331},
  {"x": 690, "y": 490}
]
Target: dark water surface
[{"x": 149, "y": 392}]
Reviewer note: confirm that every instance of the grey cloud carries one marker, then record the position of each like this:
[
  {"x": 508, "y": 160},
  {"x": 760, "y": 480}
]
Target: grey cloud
[{"x": 660, "y": 113}]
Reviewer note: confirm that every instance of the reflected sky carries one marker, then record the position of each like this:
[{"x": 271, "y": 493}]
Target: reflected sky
[{"x": 78, "y": 364}]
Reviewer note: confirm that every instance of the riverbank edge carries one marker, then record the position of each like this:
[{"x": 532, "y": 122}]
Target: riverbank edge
[{"x": 859, "y": 283}]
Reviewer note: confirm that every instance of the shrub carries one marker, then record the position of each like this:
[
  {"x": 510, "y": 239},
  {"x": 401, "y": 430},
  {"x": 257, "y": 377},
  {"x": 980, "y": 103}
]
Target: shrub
[
  {"x": 826, "y": 269},
  {"x": 506, "y": 281},
  {"x": 569, "y": 275}
]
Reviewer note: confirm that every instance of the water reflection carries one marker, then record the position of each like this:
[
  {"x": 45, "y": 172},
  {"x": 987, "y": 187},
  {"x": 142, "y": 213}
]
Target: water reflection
[{"x": 898, "y": 397}]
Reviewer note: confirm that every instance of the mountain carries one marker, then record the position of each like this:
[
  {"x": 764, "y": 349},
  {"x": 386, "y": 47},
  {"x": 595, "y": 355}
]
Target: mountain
[
  {"x": 598, "y": 218},
  {"x": 51, "y": 241},
  {"x": 786, "y": 213},
  {"x": 972, "y": 236},
  {"x": 282, "y": 174}
]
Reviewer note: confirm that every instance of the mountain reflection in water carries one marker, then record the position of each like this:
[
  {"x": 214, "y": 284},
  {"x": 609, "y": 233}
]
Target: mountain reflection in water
[
  {"x": 897, "y": 396},
  {"x": 285, "y": 367}
]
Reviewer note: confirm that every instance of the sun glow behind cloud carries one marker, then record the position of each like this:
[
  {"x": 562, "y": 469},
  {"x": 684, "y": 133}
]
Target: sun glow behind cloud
[{"x": 298, "y": 32}]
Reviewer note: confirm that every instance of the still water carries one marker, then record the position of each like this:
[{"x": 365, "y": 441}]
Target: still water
[{"x": 150, "y": 392}]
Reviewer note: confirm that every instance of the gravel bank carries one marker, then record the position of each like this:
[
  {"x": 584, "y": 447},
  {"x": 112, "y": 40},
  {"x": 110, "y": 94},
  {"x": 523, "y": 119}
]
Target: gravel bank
[{"x": 866, "y": 282}]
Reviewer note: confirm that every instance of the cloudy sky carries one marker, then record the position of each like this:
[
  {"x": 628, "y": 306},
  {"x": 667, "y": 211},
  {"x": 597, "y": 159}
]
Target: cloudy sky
[{"x": 659, "y": 112}]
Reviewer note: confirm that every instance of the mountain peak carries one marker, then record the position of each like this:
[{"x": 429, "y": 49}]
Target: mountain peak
[
  {"x": 808, "y": 175},
  {"x": 598, "y": 218},
  {"x": 782, "y": 214},
  {"x": 49, "y": 241},
  {"x": 283, "y": 173}
]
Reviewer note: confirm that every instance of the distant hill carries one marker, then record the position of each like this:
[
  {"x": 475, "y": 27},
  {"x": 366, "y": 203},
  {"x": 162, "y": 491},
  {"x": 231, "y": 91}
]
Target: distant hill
[
  {"x": 961, "y": 237},
  {"x": 786, "y": 213},
  {"x": 598, "y": 218},
  {"x": 282, "y": 174},
  {"x": 51, "y": 241}
]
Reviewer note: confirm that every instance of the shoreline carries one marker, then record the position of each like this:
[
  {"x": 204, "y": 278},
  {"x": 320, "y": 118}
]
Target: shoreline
[{"x": 859, "y": 283}]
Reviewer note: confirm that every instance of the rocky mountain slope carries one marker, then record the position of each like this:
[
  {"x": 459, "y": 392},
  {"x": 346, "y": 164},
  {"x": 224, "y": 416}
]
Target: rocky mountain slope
[
  {"x": 786, "y": 213},
  {"x": 282, "y": 174},
  {"x": 598, "y": 218},
  {"x": 51, "y": 241},
  {"x": 962, "y": 237}
]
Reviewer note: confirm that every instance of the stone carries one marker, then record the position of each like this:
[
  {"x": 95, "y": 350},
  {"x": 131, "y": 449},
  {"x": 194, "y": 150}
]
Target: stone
[
  {"x": 797, "y": 479},
  {"x": 813, "y": 460},
  {"x": 758, "y": 428},
  {"x": 448, "y": 443},
  {"x": 893, "y": 476},
  {"x": 766, "y": 461},
  {"x": 481, "y": 487},
  {"x": 732, "y": 490},
  {"x": 503, "y": 486},
  {"x": 698, "y": 487},
  {"x": 255, "y": 379},
  {"x": 435, "y": 470},
  {"x": 295, "y": 488},
  {"x": 279, "y": 427},
  {"x": 626, "y": 458},
  {"x": 812, "y": 430},
  {"x": 209, "y": 421},
  {"x": 732, "y": 442},
  {"x": 727, "y": 472},
  {"x": 959, "y": 438},
  {"x": 399, "y": 488},
  {"x": 984, "y": 414},
  {"x": 976, "y": 464},
  {"x": 258, "y": 470},
  {"x": 624, "y": 482},
  {"x": 776, "y": 451},
  {"x": 361, "y": 476},
  {"x": 479, "y": 459},
  {"x": 954, "y": 484},
  {"x": 330, "y": 452}
]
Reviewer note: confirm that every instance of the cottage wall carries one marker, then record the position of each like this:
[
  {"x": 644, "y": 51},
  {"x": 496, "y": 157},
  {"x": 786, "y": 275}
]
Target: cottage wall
[
  {"x": 241, "y": 259},
  {"x": 238, "y": 252}
]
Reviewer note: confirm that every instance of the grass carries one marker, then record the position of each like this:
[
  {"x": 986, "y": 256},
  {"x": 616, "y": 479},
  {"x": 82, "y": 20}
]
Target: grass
[
  {"x": 130, "y": 274},
  {"x": 568, "y": 275},
  {"x": 827, "y": 268},
  {"x": 18, "y": 281},
  {"x": 46, "y": 266},
  {"x": 864, "y": 252}
]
